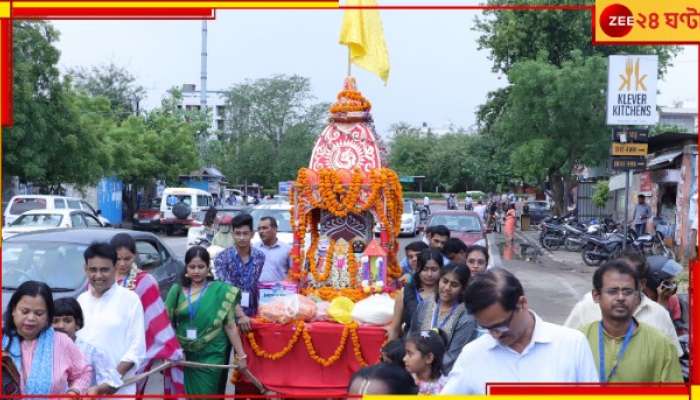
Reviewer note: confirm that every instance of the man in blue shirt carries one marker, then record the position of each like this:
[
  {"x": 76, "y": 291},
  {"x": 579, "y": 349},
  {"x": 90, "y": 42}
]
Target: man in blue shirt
[
  {"x": 409, "y": 264},
  {"x": 241, "y": 266},
  {"x": 276, "y": 253}
]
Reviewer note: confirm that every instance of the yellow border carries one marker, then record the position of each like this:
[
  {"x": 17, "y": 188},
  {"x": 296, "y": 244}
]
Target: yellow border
[{"x": 170, "y": 5}]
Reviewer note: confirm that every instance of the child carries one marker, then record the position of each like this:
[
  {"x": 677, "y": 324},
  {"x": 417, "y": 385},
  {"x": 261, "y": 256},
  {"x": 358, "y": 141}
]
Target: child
[
  {"x": 393, "y": 353},
  {"x": 423, "y": 359},
  {"x": 68, "y": 318}
]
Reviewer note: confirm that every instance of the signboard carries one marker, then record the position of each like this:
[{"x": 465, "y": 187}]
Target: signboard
[
  {"x": 629, "y": 149},
  {"x": 623, "y": 135},
  {"x": 283, "y": 187},
  {"x": 627, "y": 163},
  {"x": 632, "y": 90},
  {"x": 646, "y": 21},
  {"x": 645, "y": 183}
]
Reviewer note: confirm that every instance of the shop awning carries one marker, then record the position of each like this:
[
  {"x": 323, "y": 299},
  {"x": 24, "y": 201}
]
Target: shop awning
[{"x": 664, "y": 158}]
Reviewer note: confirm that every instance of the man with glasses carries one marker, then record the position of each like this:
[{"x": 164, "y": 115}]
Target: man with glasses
[
  {"x": 241, "y": 266},
  {"x": 647, "y": 311},
  {"x": 625, "y": 349},
  {"x": 520, "y": 346}
]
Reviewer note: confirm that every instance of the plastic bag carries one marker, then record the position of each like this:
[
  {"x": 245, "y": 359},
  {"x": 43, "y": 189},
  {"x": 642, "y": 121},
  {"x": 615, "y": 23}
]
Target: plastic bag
[
  {"x": 377, "y": 309},
  {"x": 322, "y": 311},
  {"x": 340, "y": 310},
  {"x": 288, "y": 308}
]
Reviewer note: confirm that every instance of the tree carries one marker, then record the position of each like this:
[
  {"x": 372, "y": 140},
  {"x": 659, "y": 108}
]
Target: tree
[
  {"x": 113, "y": 82},
  {"x": 555, "y": 119},
  {"x": 269, "y": 131},
  {"x": 600, "y": 194},
  {"x": 53, "y": 140},
  {"x": 551, "y": 36}
]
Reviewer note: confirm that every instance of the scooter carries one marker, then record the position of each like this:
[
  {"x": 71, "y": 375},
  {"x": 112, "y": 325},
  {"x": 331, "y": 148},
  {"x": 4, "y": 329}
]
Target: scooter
[{"x": 600, "y": 249}]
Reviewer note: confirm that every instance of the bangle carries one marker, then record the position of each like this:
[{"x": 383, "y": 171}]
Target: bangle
[{"x": 241, "y": 357}]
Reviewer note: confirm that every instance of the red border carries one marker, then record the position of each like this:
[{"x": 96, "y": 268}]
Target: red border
[{"x": 207, "y": 13}]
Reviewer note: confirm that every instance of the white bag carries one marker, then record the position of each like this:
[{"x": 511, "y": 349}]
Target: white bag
[{"x": 377, "y": 309}]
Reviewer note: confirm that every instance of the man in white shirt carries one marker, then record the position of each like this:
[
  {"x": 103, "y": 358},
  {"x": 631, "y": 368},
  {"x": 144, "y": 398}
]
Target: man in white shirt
[
  {"x": 426, "y": 203},
  {"x": 648, "y": 311},
  {"x": 113, "y": 314},
  {"x": 520, "y": 346},
  {"x": 480, "y": 210},
  {"x": 276, "y": 253}
]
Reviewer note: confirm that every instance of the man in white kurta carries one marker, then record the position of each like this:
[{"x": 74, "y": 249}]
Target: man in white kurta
[{"x": 113, "y": 315}]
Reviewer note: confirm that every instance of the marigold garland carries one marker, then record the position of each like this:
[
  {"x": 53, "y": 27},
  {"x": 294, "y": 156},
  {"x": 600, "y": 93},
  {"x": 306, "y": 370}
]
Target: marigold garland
[
  {"x": 301, "y": 330},
  {"x": 327, "y": 265},
  {"x": 352, "y": 267},
  {"x": 285, "y": 350},
  {"x": 329, "y": 293},
  {"x": 356, "y": 348}
]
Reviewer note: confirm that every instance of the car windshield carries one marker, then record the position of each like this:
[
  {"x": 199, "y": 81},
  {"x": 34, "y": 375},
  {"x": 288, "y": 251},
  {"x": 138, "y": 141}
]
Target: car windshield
[
  {"x": 173, "y": 199},
  {"x": 282, "y": 217},
  {"x": 408, "y": 207},
  {"x": 38, "y": 220},
  {"x": 59, "y": 264},
  {"x": 22, "y": 205},
  {"x": 461, "y": 223}
]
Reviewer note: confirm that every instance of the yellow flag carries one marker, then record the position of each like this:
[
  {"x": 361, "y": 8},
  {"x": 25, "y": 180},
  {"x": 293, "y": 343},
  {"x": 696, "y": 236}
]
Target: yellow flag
[{"x": 362, "y": 32}]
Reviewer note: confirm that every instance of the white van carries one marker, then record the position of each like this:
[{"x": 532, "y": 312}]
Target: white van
[
  {"x": 182, "y": 207},
  {"x": 26, "y": 202}
]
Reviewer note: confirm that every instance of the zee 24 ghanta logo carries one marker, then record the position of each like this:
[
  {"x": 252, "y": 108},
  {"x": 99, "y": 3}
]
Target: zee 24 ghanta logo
[{"x": 617, "y": 20}]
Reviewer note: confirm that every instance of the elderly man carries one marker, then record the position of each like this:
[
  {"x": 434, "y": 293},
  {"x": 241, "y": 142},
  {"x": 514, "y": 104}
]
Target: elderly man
[
  {"x": 276, "y": 253},
  {"x": 625, "y": 349},
  {"x": 520, "y": 346},
  {"x": 113, "y": 314}
]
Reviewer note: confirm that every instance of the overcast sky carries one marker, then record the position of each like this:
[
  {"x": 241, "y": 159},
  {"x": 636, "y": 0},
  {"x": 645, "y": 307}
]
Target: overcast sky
[{"x": 437, "y": 74}]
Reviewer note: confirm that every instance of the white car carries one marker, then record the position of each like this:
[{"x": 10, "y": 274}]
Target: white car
[
  {"x": 39, "y": 220},
  {"x": 48, "y": 203},
  {"x": 410, "y": 219},
  {"x": 281, "y": 213}
]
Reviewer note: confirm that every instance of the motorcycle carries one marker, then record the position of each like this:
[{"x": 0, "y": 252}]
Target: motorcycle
[
  {"x": 599, "y": 249},
  {"x": 652, "y": 245}
]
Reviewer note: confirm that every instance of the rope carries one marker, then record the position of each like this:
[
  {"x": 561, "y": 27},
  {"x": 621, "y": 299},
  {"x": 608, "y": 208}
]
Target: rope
[{"x": 192, "y": 364}]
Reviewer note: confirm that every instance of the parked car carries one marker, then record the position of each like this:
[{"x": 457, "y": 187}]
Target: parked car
[
  {"x": 464, "y": 225},
  {"x": 41, "y": 220},
  {"x": 183, "y": 207},
  {"x": 410, "y": 219},
  {"x": 279, "y": 212},
  {"x": 56, "y": 257},
  {"x": 538, "y": 211},
  {"x": 148, "y": 218},
  {"x": 26, "y": 202}
]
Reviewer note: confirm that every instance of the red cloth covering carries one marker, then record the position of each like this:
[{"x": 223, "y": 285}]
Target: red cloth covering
[{"x": 296, "y": 373}]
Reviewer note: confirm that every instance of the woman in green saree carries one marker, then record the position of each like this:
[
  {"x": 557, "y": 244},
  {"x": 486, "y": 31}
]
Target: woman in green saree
[{"x": 202, "y": 313}]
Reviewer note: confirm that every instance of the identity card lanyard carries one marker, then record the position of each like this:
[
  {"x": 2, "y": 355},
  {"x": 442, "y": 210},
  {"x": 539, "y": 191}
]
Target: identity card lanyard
[
  {"x": 419, "y": 298},
  {"x": 436, "y": 311},
  {"x": 192, "y": 310},
  {"x": 601, "y": 351}
]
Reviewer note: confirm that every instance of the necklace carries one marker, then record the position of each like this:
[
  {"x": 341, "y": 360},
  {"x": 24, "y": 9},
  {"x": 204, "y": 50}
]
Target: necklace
[{"x": 129, "y": 281}]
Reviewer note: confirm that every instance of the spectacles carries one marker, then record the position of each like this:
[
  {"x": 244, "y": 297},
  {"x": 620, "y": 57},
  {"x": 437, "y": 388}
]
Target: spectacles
[
  {"x": 614, "y": 292},
  {"x": 502, "y": 327}
]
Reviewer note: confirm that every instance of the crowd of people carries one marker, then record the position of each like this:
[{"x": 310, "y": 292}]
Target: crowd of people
[
  {"x": 458, "y": 322},
  {"x": 107, "y": 340}
]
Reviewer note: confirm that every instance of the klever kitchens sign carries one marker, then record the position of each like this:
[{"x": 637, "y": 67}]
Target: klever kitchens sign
[{"x": 632, "y": 90}]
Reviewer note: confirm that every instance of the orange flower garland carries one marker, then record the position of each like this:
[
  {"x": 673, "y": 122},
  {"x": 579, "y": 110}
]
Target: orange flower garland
[
  {"x": 356, "y": 348},
  {"x": 329, "y": 293},
  {"x": 300, "y": 329},
  {"x": 327, "y": 265},
  {"x": 352, "y": 267},
  {"x": 276, "y": 356}
]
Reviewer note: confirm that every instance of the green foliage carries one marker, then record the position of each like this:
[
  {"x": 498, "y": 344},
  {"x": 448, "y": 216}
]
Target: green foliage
[
  {"x": 54, "y": 140},
  {"x": 600, "y": 194},
  {"x": 114, "y": 83},
  {"x": 270, "y": 128}
]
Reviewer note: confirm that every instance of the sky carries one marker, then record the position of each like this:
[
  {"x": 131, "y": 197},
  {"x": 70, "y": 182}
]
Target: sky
[{"x": 437, "y": 74}]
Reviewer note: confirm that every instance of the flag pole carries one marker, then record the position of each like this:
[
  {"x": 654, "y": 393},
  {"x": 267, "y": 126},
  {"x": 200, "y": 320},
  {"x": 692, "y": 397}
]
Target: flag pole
[{"x": 349, "y": 62}]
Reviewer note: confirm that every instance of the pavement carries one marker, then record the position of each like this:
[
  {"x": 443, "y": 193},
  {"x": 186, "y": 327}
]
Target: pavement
[{"x": 572, "y": 259}]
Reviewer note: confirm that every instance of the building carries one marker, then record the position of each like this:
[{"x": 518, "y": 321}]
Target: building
[
  {"x": 670, "y": 184},
  {"x": 685, "y": 118},
  {"x": 216, "y": 102},
  {"x": 209, "y": 179}
]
